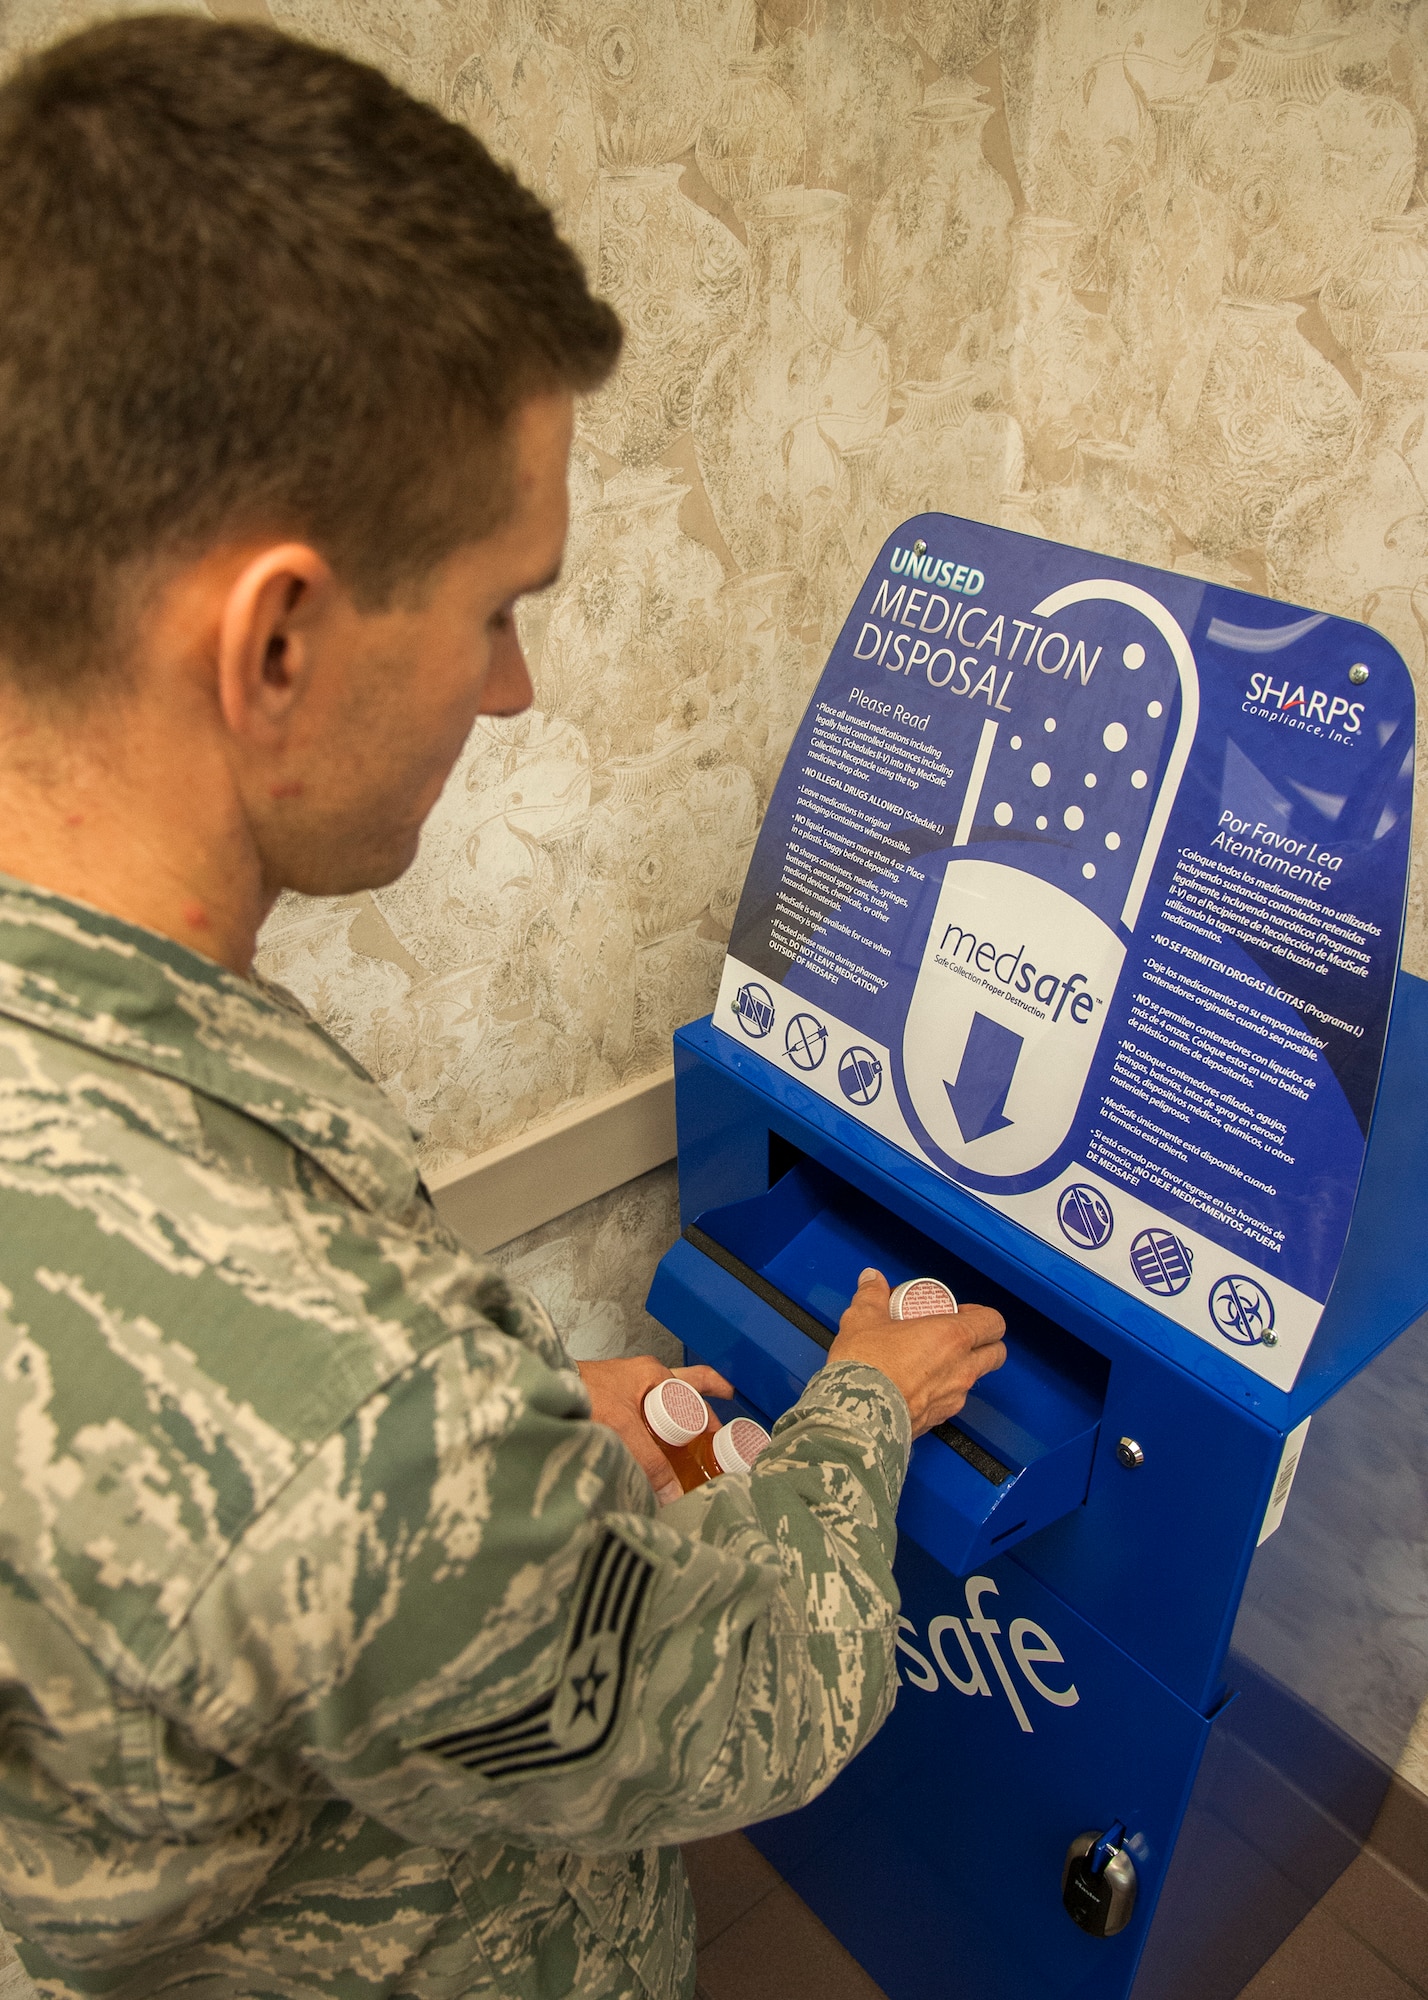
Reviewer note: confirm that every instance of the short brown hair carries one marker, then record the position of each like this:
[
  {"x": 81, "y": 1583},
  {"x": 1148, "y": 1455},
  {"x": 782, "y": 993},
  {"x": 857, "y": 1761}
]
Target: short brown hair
[{"x": 249, "y": 285}]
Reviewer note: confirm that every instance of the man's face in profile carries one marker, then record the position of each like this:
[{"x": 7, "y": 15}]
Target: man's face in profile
[{"x": 393, "y": 694}]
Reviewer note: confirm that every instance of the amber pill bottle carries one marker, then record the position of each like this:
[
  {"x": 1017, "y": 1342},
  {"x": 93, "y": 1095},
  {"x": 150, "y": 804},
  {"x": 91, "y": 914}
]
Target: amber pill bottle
[
  {"x": 677, "y": 1417},
  {"x": 698, "y": 1448},
  {"x": 735, "y": 1445}
]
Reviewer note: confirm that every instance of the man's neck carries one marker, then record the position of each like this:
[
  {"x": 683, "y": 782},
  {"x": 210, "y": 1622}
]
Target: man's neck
[{"x": 157, "y": 840}]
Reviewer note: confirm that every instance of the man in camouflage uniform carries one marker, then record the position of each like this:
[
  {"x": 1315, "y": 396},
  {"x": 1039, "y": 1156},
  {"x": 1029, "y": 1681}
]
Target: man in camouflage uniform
[{"x": 342, "y": 1653}]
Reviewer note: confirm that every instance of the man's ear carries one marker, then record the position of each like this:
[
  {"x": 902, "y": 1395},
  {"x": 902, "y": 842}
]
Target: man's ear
[{"x": 266, "y": 637}]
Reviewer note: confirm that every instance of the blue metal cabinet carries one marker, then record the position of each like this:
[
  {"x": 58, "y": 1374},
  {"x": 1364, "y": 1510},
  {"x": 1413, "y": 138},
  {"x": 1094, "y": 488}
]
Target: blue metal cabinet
[
  {"x": 1219, "y": 1686},
  {"x": 938, "y": 1860}
]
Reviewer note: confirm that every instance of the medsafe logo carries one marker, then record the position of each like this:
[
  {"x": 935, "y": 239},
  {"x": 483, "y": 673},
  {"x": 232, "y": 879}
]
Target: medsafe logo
[
  {"x": 1029, "y": 1645},
  {"x": 960, "y": 947},
  {"x": 1004, "y": 1020}
]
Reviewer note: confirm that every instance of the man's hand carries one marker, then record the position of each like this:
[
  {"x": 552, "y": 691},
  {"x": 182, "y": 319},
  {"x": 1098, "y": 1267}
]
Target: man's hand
[
  {"x": 617, "y": 1389},
  {"x": 934, "y": 1361}
]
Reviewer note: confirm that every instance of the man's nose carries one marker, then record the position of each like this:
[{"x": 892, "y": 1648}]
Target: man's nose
[{"x": 507, "y": 690}]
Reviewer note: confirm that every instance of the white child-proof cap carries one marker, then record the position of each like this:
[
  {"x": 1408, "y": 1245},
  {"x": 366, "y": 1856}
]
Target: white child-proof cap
[
  {"x": 738, "y": 1443},
  {"x": 675, "y": 1412},
  {"x": 918, "y": 1298}
]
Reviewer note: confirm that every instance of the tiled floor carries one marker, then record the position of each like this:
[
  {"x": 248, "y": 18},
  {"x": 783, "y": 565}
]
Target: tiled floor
[
  {"x": 1367, "y": 1940},
  {"x": 757, "y": 1940}
]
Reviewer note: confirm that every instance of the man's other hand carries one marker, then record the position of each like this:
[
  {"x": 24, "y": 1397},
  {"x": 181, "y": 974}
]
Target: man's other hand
[
  {"x": 618, "y": 1388},
  {"x": 934, "y": 1361}
]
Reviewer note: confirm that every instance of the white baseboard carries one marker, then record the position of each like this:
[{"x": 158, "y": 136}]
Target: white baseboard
[{"x": 559, "y": 1164}]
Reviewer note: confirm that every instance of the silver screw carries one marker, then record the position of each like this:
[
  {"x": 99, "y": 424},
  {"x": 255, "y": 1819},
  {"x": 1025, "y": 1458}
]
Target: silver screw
[
  {"x": 1130, "y": 1454},
  {"x": 1269, "y": 1340},
  {"x": 920, "y": 549},
  {"x": 1358, "y": 673}
]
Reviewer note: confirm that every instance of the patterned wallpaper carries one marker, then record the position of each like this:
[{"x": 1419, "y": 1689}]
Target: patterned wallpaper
[
  {"x": 1149, "y": 275},
  {"x": 592, "y": 1269}
]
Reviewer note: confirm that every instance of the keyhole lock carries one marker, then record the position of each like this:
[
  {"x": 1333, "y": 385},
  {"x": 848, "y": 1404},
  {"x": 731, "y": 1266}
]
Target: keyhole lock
[{"x": 1098, "y": 1883}]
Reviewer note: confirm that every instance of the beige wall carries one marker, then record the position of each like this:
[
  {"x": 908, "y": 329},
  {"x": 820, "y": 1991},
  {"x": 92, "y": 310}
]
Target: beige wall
[
  {"x": 1143, "y": 274},
  {"x": 1108, "y": 272}
]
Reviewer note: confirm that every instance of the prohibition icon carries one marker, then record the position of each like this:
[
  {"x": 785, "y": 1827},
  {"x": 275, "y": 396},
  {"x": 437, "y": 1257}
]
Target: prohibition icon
[
  {"x": 1243, "y": 1311},
  {"x": 1085, "y": 1216},
  {"x": 1161, "y": 1262},
  {"x": 754, "y": 1009},
  {"x": 860, "y": 1074},
  {"x": 806, "y": 1041}
]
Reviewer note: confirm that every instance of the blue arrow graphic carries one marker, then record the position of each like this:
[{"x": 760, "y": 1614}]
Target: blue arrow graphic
[{"x": 983, "y": 1079}]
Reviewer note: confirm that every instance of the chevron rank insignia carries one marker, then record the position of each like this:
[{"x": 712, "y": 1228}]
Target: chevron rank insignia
[{"x": 575, "y": 1718}]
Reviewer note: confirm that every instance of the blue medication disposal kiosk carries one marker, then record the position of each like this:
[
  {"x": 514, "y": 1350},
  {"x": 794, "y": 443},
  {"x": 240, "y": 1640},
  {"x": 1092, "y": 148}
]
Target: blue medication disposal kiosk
[{"x": 1065, "y": 972}]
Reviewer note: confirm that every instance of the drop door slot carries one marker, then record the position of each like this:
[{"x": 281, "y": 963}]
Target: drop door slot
[{"x": 757, "y": 1287}]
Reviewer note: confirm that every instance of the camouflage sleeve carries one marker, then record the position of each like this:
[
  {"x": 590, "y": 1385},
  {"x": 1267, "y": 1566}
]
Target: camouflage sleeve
[{"x": 464, "y": 1614}]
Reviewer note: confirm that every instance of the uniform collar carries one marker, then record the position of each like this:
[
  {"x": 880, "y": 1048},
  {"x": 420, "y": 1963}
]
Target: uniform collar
[{"x": 139, "y": 998}]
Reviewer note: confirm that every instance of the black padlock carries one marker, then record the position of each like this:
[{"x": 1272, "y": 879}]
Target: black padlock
[{"x": 1098, "y": 1883}]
